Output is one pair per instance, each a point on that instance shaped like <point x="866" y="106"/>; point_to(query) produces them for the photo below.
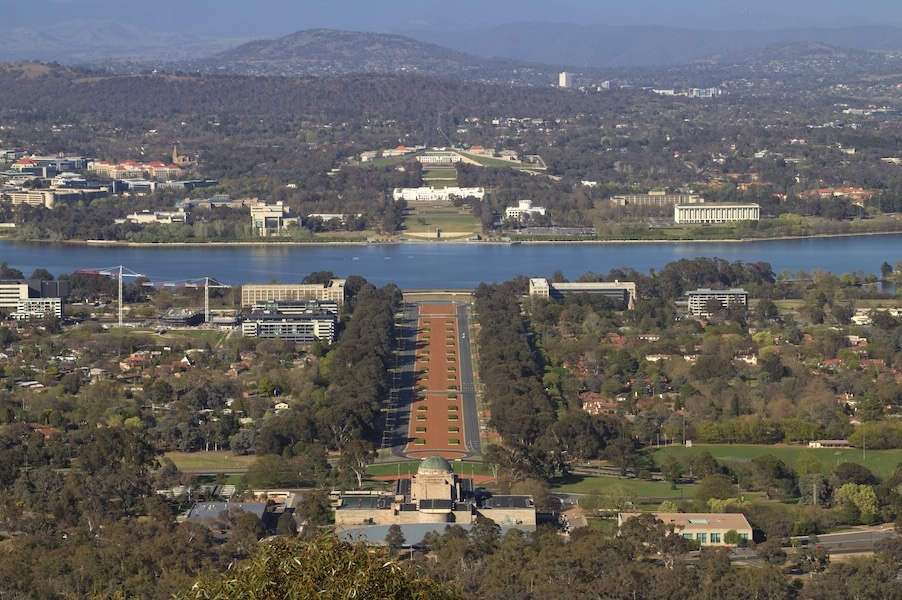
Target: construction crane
<point x="119" y="273"/>
<point x="208" y="284"/>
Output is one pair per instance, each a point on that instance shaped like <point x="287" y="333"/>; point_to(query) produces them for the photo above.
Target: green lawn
<point x="585" y="484"/>
<point x="446" y="219"/>
<point x="881" y="462"/>
<point x="210" y="462"/>
<point x="211" y="336"/>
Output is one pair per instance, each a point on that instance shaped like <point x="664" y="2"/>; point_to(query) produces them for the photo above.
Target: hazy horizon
<point x="275" y="18"/>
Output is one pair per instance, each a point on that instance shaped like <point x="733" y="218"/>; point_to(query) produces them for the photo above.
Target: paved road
<point x="467" y="384"/>
<point x="403" y="389"/>
<point x="855" y="540"/>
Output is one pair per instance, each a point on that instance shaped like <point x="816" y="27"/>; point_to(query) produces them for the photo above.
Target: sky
<point x="274" y="18"/>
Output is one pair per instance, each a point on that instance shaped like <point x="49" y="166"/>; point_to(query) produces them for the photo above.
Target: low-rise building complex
<point x="708" y="529"/>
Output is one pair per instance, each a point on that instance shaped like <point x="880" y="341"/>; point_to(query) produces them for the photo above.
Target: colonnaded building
<point x="700" y="214"/>
<point x="428" y="501"/>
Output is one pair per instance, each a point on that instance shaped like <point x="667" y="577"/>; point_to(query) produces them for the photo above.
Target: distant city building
<point x="708" y="529"/>
<point x="304" y="328"/>
<point x="656" y="198"/>
<point x="326" y="217"/>
<point x="132" y="169"/>
<point x="159" y="216"/>
<point x="703" y="92"/>
<point x="271" y="219"/>
<point x="698" y="300"/>
<point x="431" y="194"/>
<point x="439" y="157"/>
<point x="565" y="80"/>
<point x="33" y="299"/>
<point x="294" y="307"/>
<point x="621" y="290"/>
<point x="14" y="290"/>
<point x="42" y="198"/>
<point x="37" y="308"/>
<point x="523" y="208"/>
<point x="333" y="291"/>
<point x="218" y="201"/>
<point x="715" y="213"/>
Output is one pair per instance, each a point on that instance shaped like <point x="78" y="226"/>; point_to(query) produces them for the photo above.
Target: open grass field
<point x="428" y="219"/>
<point x="586" y="484"/>
<point x="440" y="178"/>
<point x="221" y="461"/>
<point x="881" y="462"/>
<point x="211" y="336"/>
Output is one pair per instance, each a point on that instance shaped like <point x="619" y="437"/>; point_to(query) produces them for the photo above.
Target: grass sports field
<point x="221" y="461"/>
<point x="587" y="484"/>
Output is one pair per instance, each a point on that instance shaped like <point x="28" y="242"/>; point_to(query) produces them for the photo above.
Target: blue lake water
<point x="444" y="265"/>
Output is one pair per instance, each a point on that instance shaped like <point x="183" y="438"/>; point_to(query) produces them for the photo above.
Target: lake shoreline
<point x="436" y="242"/>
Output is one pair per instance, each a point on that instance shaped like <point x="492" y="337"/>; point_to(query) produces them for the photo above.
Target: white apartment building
<point x="698" y="299"/>
<point x="38" y="308"/>
<point x="305" y="328"/>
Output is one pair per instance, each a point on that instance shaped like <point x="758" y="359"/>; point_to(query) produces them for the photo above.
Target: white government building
<point x="715" y="213"/>
<point x="431" y="194"/>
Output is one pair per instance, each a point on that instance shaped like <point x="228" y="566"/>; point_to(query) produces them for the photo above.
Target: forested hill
<point x="75" y="94"/>
<point x="333" y="52"/>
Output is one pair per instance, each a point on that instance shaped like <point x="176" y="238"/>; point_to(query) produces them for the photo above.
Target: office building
<point x="620" y="290"/>
<point x="14" y="290"/>
<point x="304" y="328"/>
<point x="698" y="300"/>
<point x="333" y="291"/>
<point x="565" y="80"/>
<point x="655" y="198"/>
<point x="698" y="214"/>
<point x="37" y="308"/>
<point x="271" y="219"/>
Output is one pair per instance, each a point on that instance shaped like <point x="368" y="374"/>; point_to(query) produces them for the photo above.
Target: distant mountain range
<point x="502" y="52"/>
<point x="603" y="46"/>
<point x="332" y="52"/>
<point x="78" y="42"/>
